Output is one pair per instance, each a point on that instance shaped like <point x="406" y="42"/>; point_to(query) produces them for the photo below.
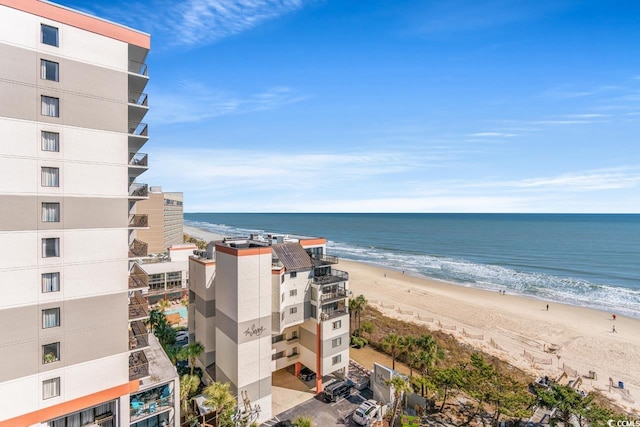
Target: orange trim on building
<point x="72" y="406"/>
<point x="277" y="272"/>
<point x="243" y="251"/>
<point x="186" y="248"/>
<point x="313" y="242"/>
<point x="80" y="20"/>
<point x="319" y="358"/>
<point x="203" y="262"/>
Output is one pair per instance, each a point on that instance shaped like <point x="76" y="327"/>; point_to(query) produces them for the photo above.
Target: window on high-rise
<point x="50" y="353"/>
<point x="50" y="141"/>
<point x="51" y="212"/>
<point x="51" y="388"/>
<point x="50" y="247"/>
<point x="50" y="177"/>
<point x="51" y="318"/>
<point x="49" y="35"/>
<point x="50" y="106"/>
<point x="49" y="70"/>
<point x="50" y="282"/>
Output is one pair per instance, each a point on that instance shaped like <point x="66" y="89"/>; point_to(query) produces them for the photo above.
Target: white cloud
<point x="193" y="103"/>
<point x="492" y="134"/>
<point x="198" y="22"/>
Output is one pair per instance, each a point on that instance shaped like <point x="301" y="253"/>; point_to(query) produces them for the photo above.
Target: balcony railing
<point x="138" y="129"/>
<point x="139" y="159"/>
<point x="138" y="365"/>
<point x="138" y="98"/>
<point x="149" y="407"/>
<point x="138" y="68"/>
<point x="138" y="278"/>
<point x="138" y="190"/>
<point x="330" y="314"/>
<point x="138" y="335"/>
<point x="332" y="296"/>
<point x="319" y="260"/>
<point x="138" y="307"/>
<point x="334" y="276"/>
<point x="139" y="220"/>
<point x="138" y="249"/>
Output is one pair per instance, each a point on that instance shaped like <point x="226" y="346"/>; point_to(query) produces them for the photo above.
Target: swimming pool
<point x="180" y="310"/>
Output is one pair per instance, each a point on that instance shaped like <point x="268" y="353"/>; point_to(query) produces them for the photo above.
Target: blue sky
<point x="391" y="106"/>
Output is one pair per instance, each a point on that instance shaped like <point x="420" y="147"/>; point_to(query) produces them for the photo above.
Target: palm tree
<point x="430" y="352"/>
<point x="191" y="352"/>
<point x="163" y="304"/>
<point x="393" y="344"/>
<point x="362" y="303"/>
<point x="156" y="317"/>
<point x="400" y="386"/>
<point x="219" y="399"/>
<point x="408" y="346"/>
<point x="188" y="385"/>
<point x="353" y="304"/>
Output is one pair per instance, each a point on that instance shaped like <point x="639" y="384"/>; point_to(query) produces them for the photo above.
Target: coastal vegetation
<point x="201" y="244"/>
<point x="487" y="389"/>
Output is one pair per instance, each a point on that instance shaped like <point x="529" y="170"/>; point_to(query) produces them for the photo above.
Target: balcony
<point x="138" y="129"/>
<point x="327" y="297"/>
<point x="138" y="307"/>
<point x="320" y="260"/>
<point x="138" y="335"/>
<point x="139" y="159"/>
<point x="138" y="191"/>
<point x="139" y="68"/>
<point x="331" y="314"/>
<point x="140" y="409"/>
<point x="333" y="276"/>
<point x="138" y="365"/>
<point x="138" y="278"/>
<point x="138" y="221"/>
<point x="138" y="249"/>
<point x="138" y="98"/>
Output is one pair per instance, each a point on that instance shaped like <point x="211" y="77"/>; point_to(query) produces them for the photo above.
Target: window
<point x="336" y="342"/>
<point x="50" y="247"/>
<point x="278" y="355"/>
<point x="49" y="35"/>
<point x="336" y="359"/>
<point x="293" y="310"/>
<point x="51" y="318"/>
<point x="282" y="279"/>
<point x="337" y="324"/>
<point x="51" y="282"/>
<point x="51" y="212"/>
<point x="293" y="292"/>
<point x="49" y="70"/>
<point x="50" y="353"/>
<point x="282" y="317"/>
<point x="293" y="274"/>
<point x="51" y="388"/>
<point x="294" y="351"/>
<point x="282" y="299"/>
<point x="50" y="106"/>
<point x="50" y="177"/>
<point x="50" y="141"/>
<point x="294" y="335"/>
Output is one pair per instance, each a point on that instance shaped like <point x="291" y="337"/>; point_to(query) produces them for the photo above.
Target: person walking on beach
<point x="613" y="330"/>
<point x="547" y="307"/>
<point x="613" y="316"/>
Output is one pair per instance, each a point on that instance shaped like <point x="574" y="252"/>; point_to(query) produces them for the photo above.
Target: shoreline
<point x="515" y="328"/>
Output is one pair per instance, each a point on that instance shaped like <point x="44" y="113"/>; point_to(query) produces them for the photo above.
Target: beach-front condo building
<point x="74" y="349"/>
<point x="165" y="219"/>
<point x="263" y="304"/>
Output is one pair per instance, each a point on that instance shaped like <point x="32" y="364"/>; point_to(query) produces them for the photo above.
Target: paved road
<point x="323" y="413"/>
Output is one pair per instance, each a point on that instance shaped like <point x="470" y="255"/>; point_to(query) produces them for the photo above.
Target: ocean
<point x="578" y="259"/>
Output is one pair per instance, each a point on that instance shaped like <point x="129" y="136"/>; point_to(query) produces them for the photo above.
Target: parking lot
<point x="324" y="413"/>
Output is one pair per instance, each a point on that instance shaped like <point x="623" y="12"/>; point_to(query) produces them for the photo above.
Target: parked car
<point x="285" y="423"/>
<point x="336" y="390"/>
<point x="366" y="412"/>
<point x="182" y="335"/>
<point x="306" y="374"/>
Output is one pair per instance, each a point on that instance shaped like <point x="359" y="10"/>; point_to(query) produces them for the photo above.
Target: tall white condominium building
<point x="73" y="346"/>
<point x="262" y="304"/>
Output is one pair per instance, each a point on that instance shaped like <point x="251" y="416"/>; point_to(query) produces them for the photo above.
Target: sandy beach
<point x="517" y="329"/>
